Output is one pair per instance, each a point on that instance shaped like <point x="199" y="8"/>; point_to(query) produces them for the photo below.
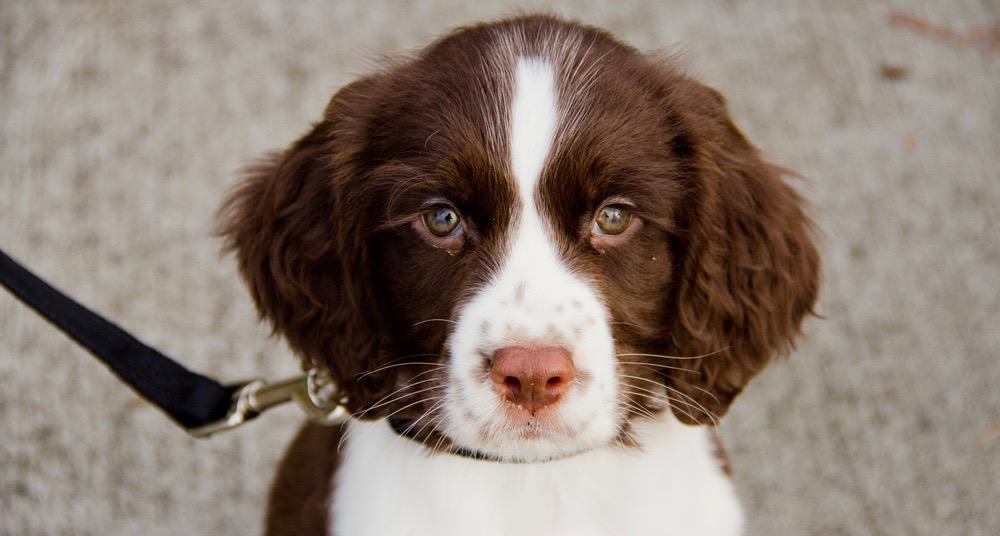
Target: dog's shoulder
<point x="299" y="501"/>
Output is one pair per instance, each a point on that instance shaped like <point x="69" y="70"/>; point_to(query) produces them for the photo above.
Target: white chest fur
<point x="387" y="485"/>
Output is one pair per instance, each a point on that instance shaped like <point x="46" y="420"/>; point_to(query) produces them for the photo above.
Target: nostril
<point x="512" y="383"/>
<point x="554" y="381"/>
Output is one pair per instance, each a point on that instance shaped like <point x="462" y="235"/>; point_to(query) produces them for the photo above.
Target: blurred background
<point x="122" y="124"/>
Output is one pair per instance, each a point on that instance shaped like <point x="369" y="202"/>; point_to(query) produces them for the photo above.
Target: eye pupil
<point x="613" y="220"/>
<point x="441" y="221"/>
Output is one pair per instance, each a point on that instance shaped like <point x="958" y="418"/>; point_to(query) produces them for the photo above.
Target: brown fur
<point x="301" y="492"/>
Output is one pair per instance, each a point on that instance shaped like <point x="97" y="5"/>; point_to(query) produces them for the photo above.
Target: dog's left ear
<point x="296" y="224"/>
<point x="748" y="269"/>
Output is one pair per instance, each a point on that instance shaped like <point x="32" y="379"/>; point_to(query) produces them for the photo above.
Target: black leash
<point x="201" y="405"/>
<point x="190" y="399"/>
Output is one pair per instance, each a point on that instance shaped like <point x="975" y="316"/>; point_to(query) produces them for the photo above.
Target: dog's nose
<point x="532" y="377"/>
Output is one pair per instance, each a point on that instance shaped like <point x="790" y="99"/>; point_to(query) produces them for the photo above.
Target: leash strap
<point x="190" y="399"/>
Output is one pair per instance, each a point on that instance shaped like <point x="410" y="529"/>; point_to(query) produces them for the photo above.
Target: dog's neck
<point x="671" y="484"/>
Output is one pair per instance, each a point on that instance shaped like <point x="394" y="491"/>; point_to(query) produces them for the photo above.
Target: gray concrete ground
<point x="122" y="124"/>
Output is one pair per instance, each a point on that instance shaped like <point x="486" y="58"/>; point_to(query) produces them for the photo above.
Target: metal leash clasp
<point x="312" y="392"/>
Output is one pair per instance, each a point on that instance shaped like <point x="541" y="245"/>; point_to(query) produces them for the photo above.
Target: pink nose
<point x="532" y="377"/>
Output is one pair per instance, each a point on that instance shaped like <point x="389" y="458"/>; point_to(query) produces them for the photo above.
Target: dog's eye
<point x="442" y="222"/>
<point x="612" y="220"/>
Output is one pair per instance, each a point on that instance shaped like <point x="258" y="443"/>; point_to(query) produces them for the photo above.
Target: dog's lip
<point x="565" y="443"/>
<point x="533" y="429"/>
<point x="547" y="416"/>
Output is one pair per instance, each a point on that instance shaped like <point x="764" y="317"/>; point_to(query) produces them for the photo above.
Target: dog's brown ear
<point x="300" y="260"/>
<point x="749" y="273"/>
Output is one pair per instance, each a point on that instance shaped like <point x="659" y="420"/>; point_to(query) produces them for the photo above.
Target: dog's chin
<point x="531" y="440"/>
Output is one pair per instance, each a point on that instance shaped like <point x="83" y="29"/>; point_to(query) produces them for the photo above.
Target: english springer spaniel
<point x="539" y="265"/>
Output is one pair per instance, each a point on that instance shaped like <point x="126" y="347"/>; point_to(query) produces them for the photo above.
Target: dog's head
<point x="525" y="238"/>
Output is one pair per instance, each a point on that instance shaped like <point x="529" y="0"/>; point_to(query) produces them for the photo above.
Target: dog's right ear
<point x="751" y="272"/>
<point x="301" y="261"/>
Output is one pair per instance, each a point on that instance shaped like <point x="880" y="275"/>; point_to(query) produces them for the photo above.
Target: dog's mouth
<point x="513" y="434"/>
<point x="533" y="430"/>
<point x="530" y="429"/>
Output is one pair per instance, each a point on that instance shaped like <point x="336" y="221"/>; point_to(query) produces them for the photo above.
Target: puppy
<point x="539" y="265"/>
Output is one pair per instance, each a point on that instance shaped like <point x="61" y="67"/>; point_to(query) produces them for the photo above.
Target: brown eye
<point x="443" y="222"/>
<point x="612" y="221"/>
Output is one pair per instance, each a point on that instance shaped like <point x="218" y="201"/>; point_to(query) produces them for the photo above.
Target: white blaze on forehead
<point x="533" y="123"/>
<point x="533" y="261"/>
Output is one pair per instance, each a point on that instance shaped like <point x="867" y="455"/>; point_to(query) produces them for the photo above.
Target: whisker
<point x="435" y="320"/>
<point x="432" y="421"/>
<point x="688" y="415"/>
<point x="343" y="438"/>
<point x="648" y="392"/>
<point x="424" y="373"/>
<point x="422" y="416"/>
<point x="658" y="365"/>
<point x="706" y="391"/>
<point x="441" y="437"/>
<point x="413" y="404"/>
<point x="669" y="399"/>
<point x="398" y="398"/>
<point x="631" y="404"/>
<point x="715" y="420"/>
<point x="689" y="400"/>
<point x="697" y="404"/>
<point x="625" y="432"/>
<point x="386" y="367"/>
<point x="654" y="382"/>
<point x="674" y="356"/>
<point x="401" y="389"/>
<point x="440" y="419"/>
